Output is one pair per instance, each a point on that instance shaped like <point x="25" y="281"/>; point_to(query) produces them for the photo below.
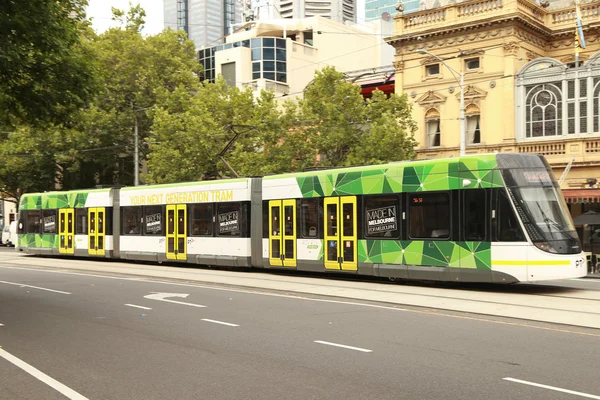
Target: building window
<point x="543" y="111"/>
<point x="182" y="16"/>
<point x="596" y="104"/>
<point x="473" y="128"/>
<point x="472" y="64"/>
<point x="560" y="107"/>
<point x="432" y="124"/>
<point x="432" y="69"/>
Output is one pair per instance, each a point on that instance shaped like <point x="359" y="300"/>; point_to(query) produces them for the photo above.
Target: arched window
<point x="432" y="126"/>
<point x="473" y="121"/>
<point x="543" y="112"/>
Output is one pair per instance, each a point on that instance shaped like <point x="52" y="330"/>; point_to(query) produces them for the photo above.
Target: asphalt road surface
<point x="78" y="336"/>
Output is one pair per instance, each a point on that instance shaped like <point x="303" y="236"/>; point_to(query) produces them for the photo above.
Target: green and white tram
<point x="483" y="218"/>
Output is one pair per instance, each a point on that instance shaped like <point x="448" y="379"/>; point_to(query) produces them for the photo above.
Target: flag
<point x="580" y="40"/>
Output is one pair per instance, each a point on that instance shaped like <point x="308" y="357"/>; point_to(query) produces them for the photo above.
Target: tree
<point x="190" y="132"/>
<point x="345" y="130"/>
<point x="45" y="68"/>
<point x="94" y="144"/>
<point x="137" y="73"/>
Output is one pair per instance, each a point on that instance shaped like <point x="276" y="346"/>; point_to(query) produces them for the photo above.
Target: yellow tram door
<point x="66" y="222"/>
<point x="282" y="233"/>
<point x="176" y="231"/>
<point x="96" y="231"/>
<point x="340" y="233"/>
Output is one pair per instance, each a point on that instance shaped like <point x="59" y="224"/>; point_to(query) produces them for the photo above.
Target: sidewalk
<point x="571" y="307"/>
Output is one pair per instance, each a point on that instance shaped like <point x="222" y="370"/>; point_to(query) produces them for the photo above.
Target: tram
<point x="498" y="218"/>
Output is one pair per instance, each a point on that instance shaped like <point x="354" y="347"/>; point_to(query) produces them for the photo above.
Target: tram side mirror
<point x="466" y="182"/>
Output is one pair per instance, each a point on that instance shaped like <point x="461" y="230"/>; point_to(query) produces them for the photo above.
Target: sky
<point x="100" y="12"/>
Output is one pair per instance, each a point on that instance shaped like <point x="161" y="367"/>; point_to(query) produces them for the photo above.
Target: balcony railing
<point x="474" y="10"/>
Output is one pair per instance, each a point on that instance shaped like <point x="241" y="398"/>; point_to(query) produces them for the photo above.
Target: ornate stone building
<point x="523" y="91"/>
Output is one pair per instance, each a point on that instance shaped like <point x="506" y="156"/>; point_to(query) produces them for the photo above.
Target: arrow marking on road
<point x="162" y="297"/>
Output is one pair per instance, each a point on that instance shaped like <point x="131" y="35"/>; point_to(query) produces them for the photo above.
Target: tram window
<point x="81" y="221"/>
<point x="429" y="215"/>
<point x="132" y="220"/>
<point x="202" y="220"/>
<point x="33" y="221"/>
<point x="474" y="220"/>
<point x="265" y="216"/>
<point x="153" y="220"/>
<point x="49" y="221"/>
<point x="228" y="219"/>
<point x="508" y="228"/>
<point x="310" y="218"/>
<point x="109" y="221"/>
<point x="381" y="216"/>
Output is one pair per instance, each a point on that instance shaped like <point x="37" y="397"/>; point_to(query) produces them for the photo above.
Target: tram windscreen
<point x="539" y="203"/>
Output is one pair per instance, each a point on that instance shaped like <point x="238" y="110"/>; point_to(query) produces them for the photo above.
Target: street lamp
<point x="461" y="84"/>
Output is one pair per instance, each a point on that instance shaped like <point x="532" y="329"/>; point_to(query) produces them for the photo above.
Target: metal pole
<point x="463" y="131"/>
<point x="136" y="154"/>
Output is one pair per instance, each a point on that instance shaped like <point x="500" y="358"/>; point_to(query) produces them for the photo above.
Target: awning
<point x="573" y="196"/>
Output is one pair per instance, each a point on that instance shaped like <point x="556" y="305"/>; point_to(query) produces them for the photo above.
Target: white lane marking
<point x="218" y="322"/>
<point x="589" y="396"/>
<point x="142" y="307"/>
<point x="344" y="346"/>
<point x="54" y="384"/>
<point x="1" y="324"/>
<point x="200" y="285"/>
<point x="163" y="296"/>
<point x="352" y="303"/>
<point x="34" y="287"/>
<point x="595" y="280"/>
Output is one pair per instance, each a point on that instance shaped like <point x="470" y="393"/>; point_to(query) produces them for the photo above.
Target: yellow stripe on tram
<point x="534" y="262"/>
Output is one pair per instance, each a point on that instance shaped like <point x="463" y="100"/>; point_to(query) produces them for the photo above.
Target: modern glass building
<point x="268" y="57"/>
<point x="206" y="22"/>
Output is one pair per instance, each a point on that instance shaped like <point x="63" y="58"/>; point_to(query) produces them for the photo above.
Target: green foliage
<point x="345" y="130"/>
<point x="45" y="68"/>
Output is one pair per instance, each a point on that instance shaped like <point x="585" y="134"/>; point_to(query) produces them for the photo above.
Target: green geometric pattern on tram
<point x="426" y="253"/>
<point x="415" y="177"/>
<point x="475" y="255"/>
<point x="29" y="202"/>
<point x="54" y="200"/>
<point x="44" y="241"/>
<point x="310" y="187"/>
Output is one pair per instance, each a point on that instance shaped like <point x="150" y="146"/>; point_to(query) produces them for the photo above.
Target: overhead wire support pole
<point x="232" y="127"/>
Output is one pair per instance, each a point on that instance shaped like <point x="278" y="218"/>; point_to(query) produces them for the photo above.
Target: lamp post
<point x="461" y="84"/>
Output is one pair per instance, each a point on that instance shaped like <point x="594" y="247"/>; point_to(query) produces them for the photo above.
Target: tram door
<point x="96" y="231"/>
<point x="176" y="231"/>
<point x="282" y="233"/>
<point x="66" y="222"/>
<point x="340" y="233"/>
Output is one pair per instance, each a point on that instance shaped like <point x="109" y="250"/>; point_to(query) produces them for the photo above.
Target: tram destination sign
<point x="382" y="220"/>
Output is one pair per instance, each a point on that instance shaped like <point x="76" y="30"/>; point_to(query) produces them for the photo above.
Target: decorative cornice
<point x="398" y="65"/>
<point x="511" y="48"/>
<point x="430" y="99"/>
<point x="429" y="60"/>
<point x="472" y="93"/>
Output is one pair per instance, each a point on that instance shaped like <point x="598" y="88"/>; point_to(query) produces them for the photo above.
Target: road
<point x="112" y="337"/>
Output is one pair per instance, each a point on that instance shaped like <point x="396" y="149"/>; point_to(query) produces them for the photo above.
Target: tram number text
<point x="417" y="199"/>
<point x="579" y="263"/>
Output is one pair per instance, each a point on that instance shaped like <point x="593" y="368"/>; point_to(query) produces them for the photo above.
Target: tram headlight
<point x="545" y="246"/>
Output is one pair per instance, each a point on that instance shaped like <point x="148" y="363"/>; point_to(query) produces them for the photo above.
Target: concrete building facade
<point x="283" y="55"/>
<point x="524" y="91"/>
